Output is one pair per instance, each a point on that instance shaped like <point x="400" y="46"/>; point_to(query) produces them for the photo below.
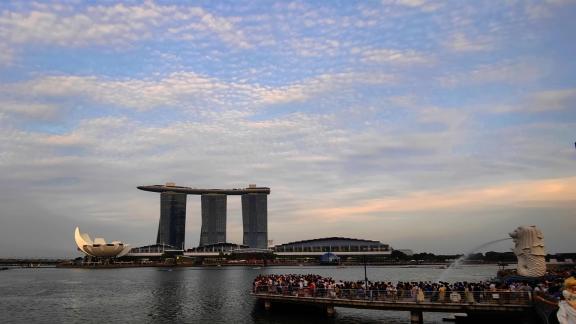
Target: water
<point x="447" y="274"/>
<point x="185" y="295"/>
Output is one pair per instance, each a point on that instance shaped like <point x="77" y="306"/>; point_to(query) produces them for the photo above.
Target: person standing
<point x="441" y="293"/>
<point x="468" y="295"/>
<point x="420" y="295"/>
<point x="567" y="308"/>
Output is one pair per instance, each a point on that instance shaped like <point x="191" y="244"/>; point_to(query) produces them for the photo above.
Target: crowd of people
<point x="457" y="292"/>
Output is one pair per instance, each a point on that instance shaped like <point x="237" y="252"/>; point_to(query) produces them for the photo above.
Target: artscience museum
<point x="98" y="247"/>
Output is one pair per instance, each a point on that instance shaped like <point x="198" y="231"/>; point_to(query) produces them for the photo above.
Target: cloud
<point x="6" y="55"/>
<point x="540" y="192"/>
<point x="447" y="116"/>
<point x="187" y="89"/>
<point x="508" y="72"/>
<point x="322" y="84"/>
<point x="311" y="47"/>
<point x="224" y="28"/>
<point x="320" y="174"/>
<point x="426" y="113"/>
<point x="392" y="56"/>
<point x="173" y="90"/>
<point x="545" y="9"/>
<point x="106" y="139"/>
<point x="29" y="110"/>
<point x="540" y="102"/>
<point x="319" y="102"/>
<point x="100" y="25"/>
<point x="118" y="25"/>
<point x="424" y="5"/>
<point x="553" y="100"/>
<point x="461" y="43"/>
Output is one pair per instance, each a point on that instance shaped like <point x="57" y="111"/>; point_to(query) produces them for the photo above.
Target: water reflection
<point x="212" y="293"/>
<point x="169" y="292"/>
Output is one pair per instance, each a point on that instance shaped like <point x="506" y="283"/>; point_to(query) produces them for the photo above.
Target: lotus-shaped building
<point x="99" y="247"/>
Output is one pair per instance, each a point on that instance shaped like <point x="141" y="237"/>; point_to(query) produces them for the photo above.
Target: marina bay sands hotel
<point x="171" y="229"/>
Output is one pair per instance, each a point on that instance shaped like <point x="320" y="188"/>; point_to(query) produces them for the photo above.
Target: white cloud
<point x="553" y="100"/>
<point x="224" y="28"/>
<point x="424" y="5"/>
<point x="310" y="163"/>
<point x="536" y="11"/>
<point x="446" y="116"/>
<point x="74" y="30"/>
<point x="545" y="9"/>
<point x="189" y="90"/>
<point x="511" y="72"/>
<point x="227" y="31"/>
<point x="29" y="110"/>
<point x="560" y="2"/>
<point x="117" y="25"/>
<point x="316" y="47"/>
<point x="6" y="55"/>
<point x="541" y="101"/>
<point x="173" y="90"/>
<point x="392" y="56"/>
<point x="333" y="142"/>
<point x="425" y="113"/>
<point x="461" y="43"/>
<point x="322" y="84"/>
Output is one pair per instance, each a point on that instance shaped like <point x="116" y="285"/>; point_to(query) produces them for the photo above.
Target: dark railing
<point x="395" y="296"/>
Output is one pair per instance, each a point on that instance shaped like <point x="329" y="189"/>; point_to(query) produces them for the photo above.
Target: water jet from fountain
<point x="461" y="259"/>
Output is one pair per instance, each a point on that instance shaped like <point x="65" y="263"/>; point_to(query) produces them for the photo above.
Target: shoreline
<point x="259" y="265"/>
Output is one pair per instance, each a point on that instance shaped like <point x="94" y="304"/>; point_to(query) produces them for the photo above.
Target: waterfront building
<point x="255" y="220"/>
<point x="172" y="225"/>
<point x="171" y="229"/>
<point x="213" y="229"/>
<point x="218" y="247"/>
<point x="322" y="249"/>
<point x="347" y="249"/>
<point x="98" y="247"/>
<point x="154" y="249"/>
<point x="338" y="245"/>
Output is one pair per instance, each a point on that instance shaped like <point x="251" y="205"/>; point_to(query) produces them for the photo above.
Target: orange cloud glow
<point x="509" y="194"/>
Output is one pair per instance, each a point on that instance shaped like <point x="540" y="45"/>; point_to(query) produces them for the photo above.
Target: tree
<point x="500" y="256"/>
<point x="398" y="255"/>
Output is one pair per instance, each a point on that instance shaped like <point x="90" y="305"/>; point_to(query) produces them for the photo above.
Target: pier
<point x="498" y="303"/>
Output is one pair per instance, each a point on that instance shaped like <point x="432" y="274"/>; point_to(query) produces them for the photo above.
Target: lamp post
<point x="365" y="273"/>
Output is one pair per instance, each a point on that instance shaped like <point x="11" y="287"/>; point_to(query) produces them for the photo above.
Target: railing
<point x="397" y="296"/>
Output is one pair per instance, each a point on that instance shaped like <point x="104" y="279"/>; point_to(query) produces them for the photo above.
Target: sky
<point x="427" y="125"/>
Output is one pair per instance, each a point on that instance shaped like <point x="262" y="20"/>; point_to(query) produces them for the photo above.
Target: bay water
<point x="189" y="295"/>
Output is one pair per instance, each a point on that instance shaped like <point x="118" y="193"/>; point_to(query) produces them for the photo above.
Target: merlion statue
<point x="529" y="250"/>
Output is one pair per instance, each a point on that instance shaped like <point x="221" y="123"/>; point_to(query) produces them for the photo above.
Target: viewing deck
<point x="497" y="302"/>
<point x="198" y="191"/>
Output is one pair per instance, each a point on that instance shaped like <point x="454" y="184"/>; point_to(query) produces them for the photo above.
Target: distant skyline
<point x="428" y="125"/>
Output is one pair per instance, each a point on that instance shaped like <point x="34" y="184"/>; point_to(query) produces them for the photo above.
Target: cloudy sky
<point x="430" y="125"/>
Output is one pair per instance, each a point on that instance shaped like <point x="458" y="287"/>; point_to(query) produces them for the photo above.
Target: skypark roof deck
<point x="197" y="191"/>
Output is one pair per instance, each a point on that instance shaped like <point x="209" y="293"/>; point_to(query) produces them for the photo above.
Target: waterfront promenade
<point x="475" y="299"/>
<point x="504" y="303"/>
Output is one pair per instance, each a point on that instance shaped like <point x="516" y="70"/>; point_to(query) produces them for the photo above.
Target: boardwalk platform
<point x="503" y="303"/>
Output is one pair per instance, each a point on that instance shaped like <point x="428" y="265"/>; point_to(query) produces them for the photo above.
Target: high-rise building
<point x="213" y="219"/>
<point x="172" y="227"/>
<point x="255" y="220"/>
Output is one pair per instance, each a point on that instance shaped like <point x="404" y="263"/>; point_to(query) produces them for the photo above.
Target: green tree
<point x="398" y="255"/>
